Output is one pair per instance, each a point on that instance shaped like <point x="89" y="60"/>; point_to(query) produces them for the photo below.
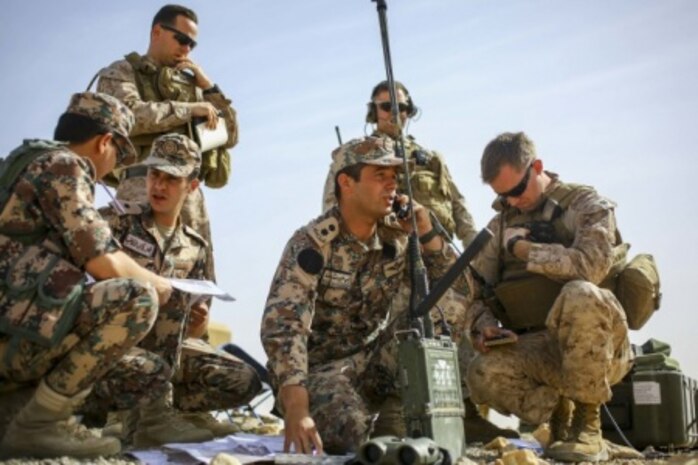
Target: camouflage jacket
<point x="332" y="295"/>
<point x="119" y="80"/>
<point x="590" y="219"/>
<point x="56" y="194"/>
<point x="432" y="186"/>
<point x="180" y="256"/>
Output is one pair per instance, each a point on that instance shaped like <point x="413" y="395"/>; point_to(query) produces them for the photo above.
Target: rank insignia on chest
<point x="139" y="245"/>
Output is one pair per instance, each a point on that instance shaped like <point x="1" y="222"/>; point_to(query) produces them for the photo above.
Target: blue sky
<point x="607" y="90"/>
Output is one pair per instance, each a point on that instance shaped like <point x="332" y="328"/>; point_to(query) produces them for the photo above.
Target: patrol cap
<point x="174" y="154"/>
<point x="112" y="113"/>
<point x="372" y="150"/>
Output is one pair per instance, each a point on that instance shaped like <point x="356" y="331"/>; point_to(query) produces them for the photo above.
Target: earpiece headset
<point x="372" y="112"/>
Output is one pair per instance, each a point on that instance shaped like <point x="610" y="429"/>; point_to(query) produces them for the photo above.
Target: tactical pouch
<point x="527" y="301"/>
<point x="637" y="290"/>
<point x="40" y="293"/>
<point x="215" y="167"/>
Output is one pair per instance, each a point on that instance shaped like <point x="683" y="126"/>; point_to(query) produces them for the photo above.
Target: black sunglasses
<point x="181" y="38"/>
<point x="520" y="188"/>
<point x="387" y="106"/>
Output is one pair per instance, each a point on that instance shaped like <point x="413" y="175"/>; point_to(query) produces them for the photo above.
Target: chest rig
<point x="158" y="84"/>
<point x="523" y="299"/>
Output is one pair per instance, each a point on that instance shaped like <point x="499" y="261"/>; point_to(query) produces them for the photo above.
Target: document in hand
<point x="201" y="288"/>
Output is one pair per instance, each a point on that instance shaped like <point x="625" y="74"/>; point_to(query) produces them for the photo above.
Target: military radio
<point x="429" y="374"/>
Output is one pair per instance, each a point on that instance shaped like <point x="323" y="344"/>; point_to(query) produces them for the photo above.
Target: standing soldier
<point x="433" y="187"/>
<point x="153" y="234"/>
<point x="166" y="91"/>
<point x="432" y="184"/>
<point x="56" y="330"/>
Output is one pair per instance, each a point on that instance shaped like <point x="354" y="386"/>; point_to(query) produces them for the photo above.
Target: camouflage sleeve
<point x="67" y="202"/>
<point x="590" y="256"/>
<point x="119" y="80"/>
<point x="486" y="264"/>
<point x="288" y="315"/>
<point x="465" y="225"/>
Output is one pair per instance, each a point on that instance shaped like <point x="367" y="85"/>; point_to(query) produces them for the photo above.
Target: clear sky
<point x="607" y="90"/>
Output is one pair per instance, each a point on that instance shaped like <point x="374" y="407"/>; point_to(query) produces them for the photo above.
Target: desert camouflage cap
<point x="174" y="154"/>
<point x="369" y="150"/>
<point x="110" y="112"/>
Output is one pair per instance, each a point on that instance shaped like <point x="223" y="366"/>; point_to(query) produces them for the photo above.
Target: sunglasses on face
<point x="181" y="38"/>
<point x="520" y="188"/>
<point x="387" y="106"/>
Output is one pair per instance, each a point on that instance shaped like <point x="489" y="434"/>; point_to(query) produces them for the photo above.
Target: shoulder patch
<point x="310" y="261"/>
<point x="324" y="231"/>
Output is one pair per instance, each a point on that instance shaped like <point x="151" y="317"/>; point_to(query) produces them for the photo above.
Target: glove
<point x="512" y="235"/>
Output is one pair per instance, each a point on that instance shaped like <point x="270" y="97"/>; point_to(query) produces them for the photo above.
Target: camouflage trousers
<point x="209" y="379"/>
<point x="584" y="351"/>
<point x="346" y="396"/>
<point x="194" y="213"/>
<point x="98" y="352"/>
<point x="166" y="336"/>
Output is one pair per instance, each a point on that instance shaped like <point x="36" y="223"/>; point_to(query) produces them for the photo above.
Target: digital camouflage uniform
<point x="211" y="379"/>
<point x="180" y="256"/>
<point x="433" y="187"/>
<point x="581" y="348"/>
<point x="205" y="379"/>
<point x="330" y="319"/>
<point x="161" y="109"/>
<point x="51" y="213"/>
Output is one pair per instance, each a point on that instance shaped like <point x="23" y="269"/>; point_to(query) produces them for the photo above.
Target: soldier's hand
<point x="200" y="79"/>
<point x="490" y="333"/>
<point x="513" y="235"/>
<point x="299" y="427"/>
<point x="164" y="290"/>
<point x="206" y="110"/>
<point x="198" y="320"/>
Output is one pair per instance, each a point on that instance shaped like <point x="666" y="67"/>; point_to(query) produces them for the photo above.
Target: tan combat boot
<point x="478" y="429"/>
<point x="45" y="428"/>
<point x="158" y="423"/>
<point x="585" y="443"/>
<point x="561" y="420"/>
<point x="206" y="420"/>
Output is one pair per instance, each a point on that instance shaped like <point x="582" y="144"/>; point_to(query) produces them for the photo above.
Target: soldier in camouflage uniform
<point x="165" y="99"/>
<point x="433" y="187"/>
<point x="154" y="236"/>
<point x="55" y="330"/>
<point x="211" y="379"/>
<point x="544" y="275"/>
<point x="329" y="323"/>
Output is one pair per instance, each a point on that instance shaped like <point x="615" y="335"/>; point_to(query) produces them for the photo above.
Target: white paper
<point x="647" y="393"/>
<point x="211" y="138"/>
<point x="201" y="288"/>
<point x="247" y="448"/>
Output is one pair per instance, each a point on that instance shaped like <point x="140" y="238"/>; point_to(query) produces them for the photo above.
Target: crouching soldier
<point x="56" y="331"/>
<point x="155" y="236"/>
